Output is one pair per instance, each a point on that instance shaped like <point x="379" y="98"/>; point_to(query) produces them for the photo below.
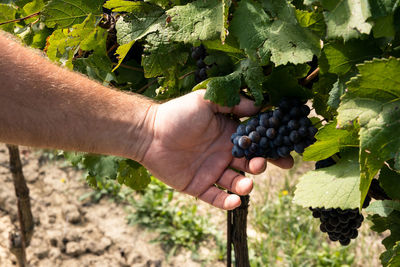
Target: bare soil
<point x="69" y="232"/>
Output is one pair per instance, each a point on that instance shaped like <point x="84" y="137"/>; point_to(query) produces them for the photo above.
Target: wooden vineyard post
<point x="237" y="234"/>
<point x="19" y="241"/>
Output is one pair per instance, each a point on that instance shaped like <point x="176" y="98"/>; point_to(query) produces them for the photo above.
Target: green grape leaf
<point x="390" y="182"/>
<point x="372" y="101"/>
<point x="130" y="6"/>
<point x="383" y="207"/>
<point x="281" y="38"/>
<point x="197" y="21"/>
<point x="340" y="58"/>
<point x="229" y="46"/>
<point x="254" y="77"/>
<point x="337" y="91"/>
<point x="312" y="20"/>
<point x="329" y="141"/>
<point x="73" y="157"/>
<point x="63" y="43"/>
<point x="391" y="223"/>
<point x="382" y="16"/>
<point x="96" y="67"/>
<point x="321" y="90"/>
<point x="224" y="90"/>
<point x="147" y="19"/>
<point x="160" y="56"/>
<point x="101" y="166"/>
<point x="346" y="18"/>
<point x="391" y="257"/>
<point x="133" y="175"/>
<point x="283" y="82"/>
<point x="7" y="12"/>
<point x="66" y="13"/>
<point x="33" y="7"/>
<point x="336" y="186"/>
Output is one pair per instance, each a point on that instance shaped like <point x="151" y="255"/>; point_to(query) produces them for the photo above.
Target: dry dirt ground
<point x="69" y="232"/>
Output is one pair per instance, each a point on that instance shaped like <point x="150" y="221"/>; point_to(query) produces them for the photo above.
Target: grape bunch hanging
<point x="340" y="225"/>
<point x="275" y="133"/>
<point x="199" y="54"/>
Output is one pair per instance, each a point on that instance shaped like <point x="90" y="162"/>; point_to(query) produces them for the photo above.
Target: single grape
<point x="254" y="136"/>
<point x="244" y="142"/>
<point x="271" y="133"/>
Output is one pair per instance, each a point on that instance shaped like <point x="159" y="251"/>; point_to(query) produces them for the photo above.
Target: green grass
<point x="178" y="224"/>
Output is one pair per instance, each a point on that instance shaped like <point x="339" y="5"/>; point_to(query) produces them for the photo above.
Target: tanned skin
<point x="184" y="142"/>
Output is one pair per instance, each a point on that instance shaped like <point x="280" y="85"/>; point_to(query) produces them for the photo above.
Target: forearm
<point x="44" y="105"/>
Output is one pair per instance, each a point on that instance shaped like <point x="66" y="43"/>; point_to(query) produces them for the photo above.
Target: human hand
<point x="191" y="150"/>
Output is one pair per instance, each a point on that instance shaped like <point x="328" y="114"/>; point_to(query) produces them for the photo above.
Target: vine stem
<point x="310" y="77"/>
<point x="21" y="19"/>
<point x="18" y="244"/>
<point x="128" y="67"/>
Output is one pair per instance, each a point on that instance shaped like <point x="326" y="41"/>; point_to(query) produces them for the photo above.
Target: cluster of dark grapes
<point x="340" y="225"/>
<point x="199" y="54"/>
<point x="274" y="134"/>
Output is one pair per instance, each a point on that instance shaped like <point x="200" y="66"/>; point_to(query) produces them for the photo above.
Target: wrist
<point x="141" y="132"/>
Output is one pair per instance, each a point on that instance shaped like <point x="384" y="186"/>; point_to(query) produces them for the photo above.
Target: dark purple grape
<point x="233" y="136"/>
<point x="284" y="105"/>
<point x="283" y="151"/>
<point x="305" y="110"/>
<point x="250" y="128"/>
<point x="283" y="130"/>
<point x="295" y="112"/>
<point x="237" y="152"/>
<point x="303" y="132"/>
<point x="277" y="114"/>
<point x="254" y="136"/>
<point x="241" y="130"/>
<point x="203" y="73"/>
<point x="293" y="125"/>
<point x="344" y="242"/>
<point x="261" y="130"/>
<point x="294" y="137"/>
<point x="299" y="148"/>
<point x="271" y="133"/>
<point x="244" y="142"/>
<point x="273" y="122"/>
<point x="264" y="120"/>
<point x="286" y="118"/>
<point x="264" y="142"/>
<point x="200" y="63"/>
<point x="305" y="121"/>
<point x="236" y="140"/>
<point x="286" y="141"/>
<point x="278" y="140"/>
<point x="253" y="148"/>
<point x="312" y="131"/>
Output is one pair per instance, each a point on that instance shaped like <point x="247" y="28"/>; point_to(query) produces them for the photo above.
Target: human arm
<point x="184" y="142"/>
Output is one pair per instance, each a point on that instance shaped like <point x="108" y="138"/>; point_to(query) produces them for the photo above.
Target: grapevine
<point x="342" y="58"/>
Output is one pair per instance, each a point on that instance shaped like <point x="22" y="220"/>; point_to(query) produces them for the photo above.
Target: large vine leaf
<point x="160" y="56"/>
<point x="133" y="175"/>
<point x="373" y="101"/>
<point x="197" y="21"/>
<point x="7" y="12"/>
<point x="346" y="19"/>
<point x="340" y="58"/>
<point x="332" y="187"/>
<point x="66" y="13"/>
<point x="254" y="77"/>
<point x="389" y="180"/>
<point x="144" y="19"/>
<point x="224" y="90"/>
<point x="63" y="43"/>
<point x="280" y="38"/>
<point x="329" y="141"/>
<point x="390" y="220"/>
<point x="383" y="17"/>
